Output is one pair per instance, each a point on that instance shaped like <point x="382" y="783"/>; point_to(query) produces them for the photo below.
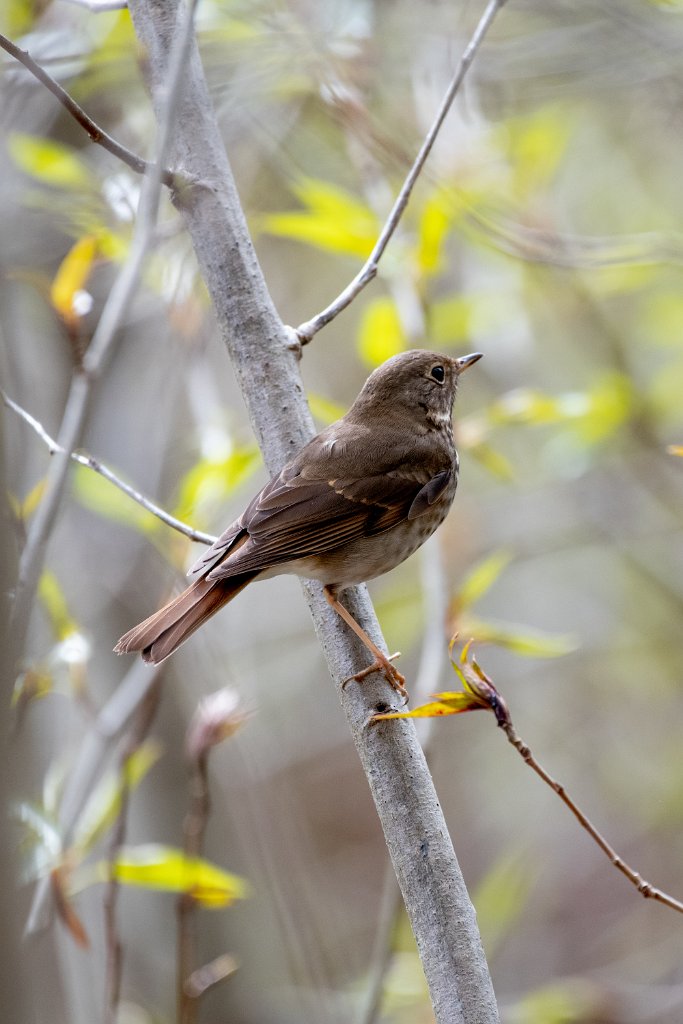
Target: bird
<point x="355" y="502"/>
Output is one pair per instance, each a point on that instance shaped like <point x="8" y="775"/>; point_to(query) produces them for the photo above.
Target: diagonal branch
<point x="306" y="331"/>
<point x="267" y="369"/>
<point x="83" y="459"/>
<point x="99" y="351"/>
<point x="97" y="134"/>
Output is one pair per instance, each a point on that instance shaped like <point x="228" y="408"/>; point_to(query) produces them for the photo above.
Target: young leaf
<point x="520" y="639"/>
<point x="211" y="482"/>
<point x="448" y="704"/>
<point x="380" y="334"/>
<point x="71" y="278"/>
<point x="324" y="410"/>
<point x="48" y="161"/>
<point x="106" y="500"/>
<point x="104" y="804"/>
<point x="499" y="898"/>
<point x="54" y="601"/>
<point x="154" y="866"/>
<point x="332" y="220"/>
<point x="481" y="578"/>
<point x="435" y="219"/>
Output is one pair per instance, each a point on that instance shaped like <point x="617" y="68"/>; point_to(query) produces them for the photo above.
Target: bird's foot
<point x="383" y="664"/>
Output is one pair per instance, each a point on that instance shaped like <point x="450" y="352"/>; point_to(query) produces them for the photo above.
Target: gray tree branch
<point x="260" y="348"/>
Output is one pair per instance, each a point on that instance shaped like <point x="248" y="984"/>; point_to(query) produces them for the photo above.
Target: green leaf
<point x="492" y="460"/>
<point x="435" y="220"/>
<point x="524" y="405"/>
<point x="380" y="334"/>
<point x="324" y="410"/>
<point x="72" y="276"/>
<point x="49" y="162"/>
<point x="520" y="639"/>
<point x="154" y="866"/>
<point x="104" y="803"/>
<point x="570" y="1002"/>
<point x="211" y="482"/>
<point x="450" y="319"/>
<point x="54" y="601"/>
<point x="106" y="500"/>
<point x="611" y="403"/>
<point x="537" y="144"/>
<point x="332" y="220"/>
<point x="500" y="898"/>
<point x="481" y="578"/>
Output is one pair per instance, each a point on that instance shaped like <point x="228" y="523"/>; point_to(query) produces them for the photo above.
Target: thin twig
<point x="644" y="888"/>
<point x="83" y="459"/>
<point x="484" y="694"/>
<point x="99" y="350"/>
<point x="114" y="947"/>
<point x="111" y="722"/>
<point x="98" y="6"/>
<point x="381" y="955"/>
<point x="97" y="134"/>
<point x="194" y="828"/>
<point x="306" y="331"/>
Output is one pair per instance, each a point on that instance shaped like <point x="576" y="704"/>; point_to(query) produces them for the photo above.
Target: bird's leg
<point x="382" y="663"/>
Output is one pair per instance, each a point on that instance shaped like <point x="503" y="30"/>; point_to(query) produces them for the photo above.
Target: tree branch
<point x="306" y="331"/>
<point x="83" y="459"/>
<point x="97" y="134"/>
<point x="98" y="352"/>
<point x="421" y="850"/>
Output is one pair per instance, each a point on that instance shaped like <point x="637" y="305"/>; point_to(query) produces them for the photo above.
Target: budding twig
<point x="306" y="331"/>
<point x="83" y="459"/>
<point x="97" y="134"/>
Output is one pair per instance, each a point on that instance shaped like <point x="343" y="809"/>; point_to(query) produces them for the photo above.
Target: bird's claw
<point x="392" y="675"/>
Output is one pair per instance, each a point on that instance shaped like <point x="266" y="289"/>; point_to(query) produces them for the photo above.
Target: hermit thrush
<point x="355" y="502"/>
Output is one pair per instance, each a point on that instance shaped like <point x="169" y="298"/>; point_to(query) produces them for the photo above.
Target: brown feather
<point x="162" y="633"/>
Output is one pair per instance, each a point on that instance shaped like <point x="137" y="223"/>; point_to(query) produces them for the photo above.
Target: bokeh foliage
<point x="547" y="232"/>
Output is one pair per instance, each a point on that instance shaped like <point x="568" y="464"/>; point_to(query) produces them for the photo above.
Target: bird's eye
<point x="438" y="373"/>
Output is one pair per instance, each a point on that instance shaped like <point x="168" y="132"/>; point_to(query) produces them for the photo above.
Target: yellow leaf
<point x="482" y="577"/>
<point x="104" y="803"/>
<point x="537" y="144"/>
<point x="380" y="334"/>
<point x="103" y="498"/>
<point x="435" y="220"/>
<point x="611" y="403"/>
<point x="450" y="320"/>
<point x="500" y="897"/>
<point x="324" y="410"/>
<point x="448" y="704"/>
<point x="154" y="866"/>
<point x="32" y="499"/>
<point x="52" y="597"/>
<point x="211" y="482"/>
<point x="31" y="685"/>
<point x="520" y="639"/>
<point x="494" y="461"/>
<point x="333" y="220"/>
<point x="48" y="161"/>
<point x="675" y="449"/>
<point x="71" y="277"/>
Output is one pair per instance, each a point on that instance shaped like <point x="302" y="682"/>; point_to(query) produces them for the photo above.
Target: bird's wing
<point x="294" y="516"/>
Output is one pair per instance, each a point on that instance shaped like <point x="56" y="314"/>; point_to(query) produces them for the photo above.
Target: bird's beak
<point x="465" y="362"/>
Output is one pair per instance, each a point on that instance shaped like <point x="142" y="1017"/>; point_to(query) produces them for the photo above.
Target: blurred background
<point x="546" y="231"/>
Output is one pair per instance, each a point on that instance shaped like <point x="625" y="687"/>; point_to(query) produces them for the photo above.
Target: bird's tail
<point x="162" y="633"/>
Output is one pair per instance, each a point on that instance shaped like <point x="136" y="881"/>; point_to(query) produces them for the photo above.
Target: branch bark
<point x="265" y="363"/>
